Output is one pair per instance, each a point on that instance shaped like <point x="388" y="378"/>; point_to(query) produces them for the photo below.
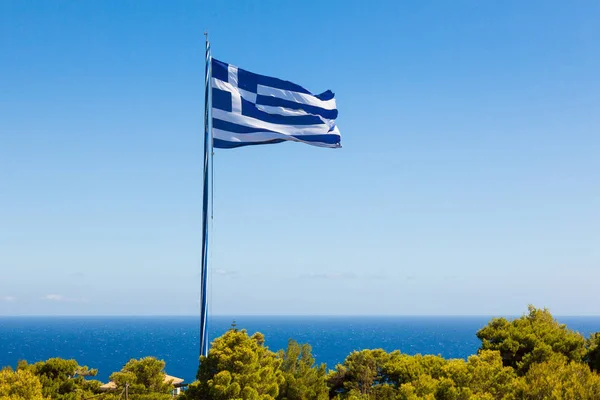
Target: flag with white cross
<point x="252" y="109"/>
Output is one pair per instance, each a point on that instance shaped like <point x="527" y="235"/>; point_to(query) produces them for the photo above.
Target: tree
<point x="487" y="376"/>
<point x="403" y="368"/>
<point x="145" y="377"/>
<point x="423" y="387"/>
<point x="593" y="352"/>
<point x="19" y="385"/>
<point x="377" y="375"/>
<point x="358" y="374"/>
<point x="302" y="379"/>
<point x="559" y="379"/>
<point x="238" y="366"/>
<point x="533" y="338"/>
<point x="62" y="379"/>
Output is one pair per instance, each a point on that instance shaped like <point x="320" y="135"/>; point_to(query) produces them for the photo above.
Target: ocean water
<point x="106" y="343"/>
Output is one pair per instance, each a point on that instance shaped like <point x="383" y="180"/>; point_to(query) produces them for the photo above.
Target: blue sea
<point x="106" y="343"/>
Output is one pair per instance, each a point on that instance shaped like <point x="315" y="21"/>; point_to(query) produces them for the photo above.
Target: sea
<point x="107" y="343"/>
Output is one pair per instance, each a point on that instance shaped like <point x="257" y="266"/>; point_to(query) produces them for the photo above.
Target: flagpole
<point x="204" y="266"/>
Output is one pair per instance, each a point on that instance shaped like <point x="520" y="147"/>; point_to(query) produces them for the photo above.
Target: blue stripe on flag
<point x="226" y="144"/>
<point x="249" y="81"/>
<point x="236" y="128"/>
<point x="330" y="139"/>
<point x="249" y="109"/>
<point x="328" y="95"/>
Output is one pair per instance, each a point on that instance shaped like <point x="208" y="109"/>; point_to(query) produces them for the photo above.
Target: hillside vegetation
<point x="531" y="357"/>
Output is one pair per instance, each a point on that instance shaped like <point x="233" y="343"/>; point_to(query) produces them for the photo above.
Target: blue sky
<point x="469" y="180"/>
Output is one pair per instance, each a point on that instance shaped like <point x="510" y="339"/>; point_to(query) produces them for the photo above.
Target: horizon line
<point x="283" y="315"/>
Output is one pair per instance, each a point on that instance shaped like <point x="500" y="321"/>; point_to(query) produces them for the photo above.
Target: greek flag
<point x="250" y="109"/>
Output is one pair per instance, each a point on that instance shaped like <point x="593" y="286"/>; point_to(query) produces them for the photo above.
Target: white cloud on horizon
<point x="329" y="275"/>
<point x="340" y="276"/>
<point x="61" y="298"/>
<point x="9" y="299"/>
<point x="53" y="297"/>
<point x="224" y="272"/>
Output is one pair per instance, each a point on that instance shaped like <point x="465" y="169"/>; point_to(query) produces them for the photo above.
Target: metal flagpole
<point x="207" y="149"/>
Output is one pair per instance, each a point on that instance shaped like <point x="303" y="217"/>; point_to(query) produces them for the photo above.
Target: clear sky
<point x="468" y="181"/>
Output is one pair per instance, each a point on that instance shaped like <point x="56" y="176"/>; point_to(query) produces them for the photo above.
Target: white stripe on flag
<point x="240" y="119"/>
<point x="296" y="97"/>
<point x="288" y="112"/>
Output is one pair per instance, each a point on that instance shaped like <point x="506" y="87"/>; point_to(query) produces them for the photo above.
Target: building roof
<point x="173" y="380"/>
<point x="109" y="386"/>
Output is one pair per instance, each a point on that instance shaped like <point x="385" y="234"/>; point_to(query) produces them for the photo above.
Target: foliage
<point x="375" y="374"/>
<point x="533" y="338"/>
<point x="360" y="374"/>
<point x="486" y="375"/>
<point x="238" y="366"/>
<point x="559" y="379"/>
<point x="302" y="380"/>
<point x="19" y="385"/>
<point x="62" y="379"/>
<point x="532" y="357"/>
<point x="146" y="379"/>
<point x="593" y="352"/>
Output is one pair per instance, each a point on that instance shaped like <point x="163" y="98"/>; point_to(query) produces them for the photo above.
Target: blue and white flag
<point x="250" y="109"/>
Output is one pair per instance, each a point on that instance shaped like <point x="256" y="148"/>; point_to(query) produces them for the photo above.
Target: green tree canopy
<point x="360" y="374"/>
<point x="532" y="338"/>
<point x="238" y="366"/>
<point x="486" y="375"/>
<point x="559" y="379"/>
<point x="145" y="377"/>
<point x="377" y="375"/>
<point x="593" y="352"/>
<point x="19" y="385"/>
<point x="62" y="379"/>
<point x="302" y="379"/>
